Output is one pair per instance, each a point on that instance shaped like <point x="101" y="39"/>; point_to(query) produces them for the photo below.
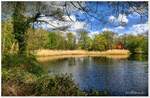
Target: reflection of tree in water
<point x="103" y="60"/>
<point x="57" y="61"/>
<point x="138" y="57"/>
<point x="84" y="61"/>
<point x="71" y="61"/>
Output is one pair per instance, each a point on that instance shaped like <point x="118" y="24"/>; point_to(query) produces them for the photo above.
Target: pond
<point x="119" y="77"/>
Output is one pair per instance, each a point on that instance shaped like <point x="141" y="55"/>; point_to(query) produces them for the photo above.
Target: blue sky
<point x="106" y="19"/>
<point x="132" y="20"/>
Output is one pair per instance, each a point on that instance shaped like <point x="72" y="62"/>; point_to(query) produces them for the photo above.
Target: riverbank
<point x="43" y="53"/>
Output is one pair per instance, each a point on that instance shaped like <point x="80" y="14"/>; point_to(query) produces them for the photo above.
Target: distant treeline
<point x="42" y="39"/>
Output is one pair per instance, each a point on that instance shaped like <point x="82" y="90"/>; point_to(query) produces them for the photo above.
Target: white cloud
<point x="107" y="29"/>
<point x="69" y="18"/>
<point x="53" y="23"/>
<point x="91" y="34"/>
<point x="138" y="29"/>
<point x="119" y="28"/>
<point x="78" y="25"/>
<point x="122" y="18"/>
<point x="112" y="19"/>
<point x="73" y="25"/>
<point x="133" y="15"/>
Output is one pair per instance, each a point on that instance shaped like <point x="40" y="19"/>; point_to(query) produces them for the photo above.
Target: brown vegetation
<point x="43" y="55"/>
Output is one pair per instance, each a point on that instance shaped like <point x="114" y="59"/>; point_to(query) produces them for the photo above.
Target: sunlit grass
<point x="80" y="52"/>
<point x="44" y="55"/>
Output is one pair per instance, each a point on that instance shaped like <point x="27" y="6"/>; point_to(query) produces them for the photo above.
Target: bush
<point x="56" y="85"/>
<point x="16" y="81"/>
<point x="28" y="63"/>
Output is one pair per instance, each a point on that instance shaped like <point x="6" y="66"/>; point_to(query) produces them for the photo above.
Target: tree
<point x="136" y="43"/>
<point x="71" y="41"/>
<point x="109" y="36"/>
<point x="26" y="14"/>
<point x="36" y="39"/>
<point x="56" y="40"/>
<point x="84" y="40"/>
<point x="22" y="21"/>
<point x="100" y="43"/>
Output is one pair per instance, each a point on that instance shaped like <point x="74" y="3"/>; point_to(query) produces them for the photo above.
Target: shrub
<point x="56" y="85"/>
<point x="28" y="63"/>
<point x="16" y="81"/>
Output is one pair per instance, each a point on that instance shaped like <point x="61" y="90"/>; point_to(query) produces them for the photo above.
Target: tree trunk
<point x="20" y="26"/>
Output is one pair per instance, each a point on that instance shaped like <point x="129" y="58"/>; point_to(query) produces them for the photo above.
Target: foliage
<point x="7" y="36"/>
<point x="71" y="41"/>
<point x="84" y="41"/>
<point x="136" y="43"/>
<point x="56" y="86"/>
<point x="103" y="41"/>
<point x="42" y="39"/>
<point x="28" y="63"/>
<point x="19" y="82"/>
<point x="16" y="81"/>
<point x="36" y="39"/>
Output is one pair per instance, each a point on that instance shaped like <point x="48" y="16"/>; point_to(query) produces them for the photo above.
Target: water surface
<point x="117" y="76"/>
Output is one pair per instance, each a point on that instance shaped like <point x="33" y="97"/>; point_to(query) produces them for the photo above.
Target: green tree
<point x="136" y="43"/>
<point x="103" y="41"/>
<point x="100" y="43"/>
<point x="84" y="41"/>
<point x="25" y="14"/>
<point x="71" y="41"/>
<point x="109" y="36"/>
<point x="52" y="40"/>
<point x="56" y="40"/>
<point x="36" y="39"/>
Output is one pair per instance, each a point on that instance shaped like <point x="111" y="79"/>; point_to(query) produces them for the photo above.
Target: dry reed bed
<point x="80" y="52"/>
<point x="44" y="55"/>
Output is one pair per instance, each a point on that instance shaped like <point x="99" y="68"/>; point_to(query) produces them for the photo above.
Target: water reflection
<point x="117" y="76"/>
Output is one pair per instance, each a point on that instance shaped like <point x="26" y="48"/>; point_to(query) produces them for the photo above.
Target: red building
<point x="119" y="46"/>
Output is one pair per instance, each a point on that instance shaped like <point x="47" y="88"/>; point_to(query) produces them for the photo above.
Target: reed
<point x="40" y="53"/>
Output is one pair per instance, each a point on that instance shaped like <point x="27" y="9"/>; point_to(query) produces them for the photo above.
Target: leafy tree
<point x="84" y="40"/>
<point x="36" y="39"/>
<point x="136" y="43"/>
<point x="52" y="40"/>
<point x="100" y="43"/>
<point x="109" y="36"/>
<point x="71" y="41"/>
<point x="56" y="41"/>
<point x="25" y="13"/>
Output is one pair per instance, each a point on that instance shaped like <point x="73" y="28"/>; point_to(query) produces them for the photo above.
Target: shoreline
<point x="40" y="53"/>
<point x="44" y="55"/>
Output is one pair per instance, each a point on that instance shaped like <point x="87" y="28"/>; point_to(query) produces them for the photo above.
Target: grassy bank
<point x="80" y="52"/>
